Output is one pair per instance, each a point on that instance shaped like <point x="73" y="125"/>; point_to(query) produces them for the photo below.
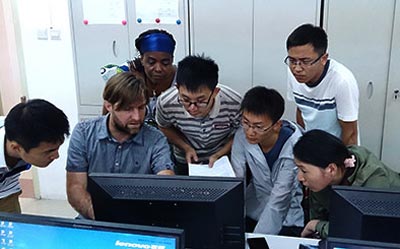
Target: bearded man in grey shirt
<point x="119" y="142"/>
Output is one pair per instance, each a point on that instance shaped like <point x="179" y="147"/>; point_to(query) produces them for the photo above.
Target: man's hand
<point x="90" y="212"/>
<point x="191" y="155"/>
<point x="212" y="159"/>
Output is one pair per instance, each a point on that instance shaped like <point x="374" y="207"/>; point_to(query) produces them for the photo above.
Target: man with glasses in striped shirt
<point x="198" y="116"/>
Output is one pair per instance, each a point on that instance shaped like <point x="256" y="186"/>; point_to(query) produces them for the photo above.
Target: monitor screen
<point x="365" y="214"/>
<point x="209" y="209"/>
<point x="19" y="231"/>
<point x="339" y="243"/>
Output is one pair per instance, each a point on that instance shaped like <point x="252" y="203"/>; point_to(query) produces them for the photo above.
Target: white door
<point x="172" y="17"/>
<point x="359" y="34"/>
<point x="273" y="22"/>
<point x="391" y="136"/>
<point x="95" y="45"/>
<point x="222" y="30"/>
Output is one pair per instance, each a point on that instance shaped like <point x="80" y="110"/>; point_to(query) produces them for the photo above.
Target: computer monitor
<point x="19" y="231"/>
<point x="365" y="214"/>
<point x="209" y="209"/>
<point x="340" y="243"/>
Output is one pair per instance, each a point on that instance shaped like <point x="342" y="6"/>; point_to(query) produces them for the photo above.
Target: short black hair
<point x="260" y="100"/>
<point x="320" y="148"/>
<point x="34" y="122"/>
<point x="197" y="71"/>
<point x="309" y="34"/>
<point x="140" y="38"/>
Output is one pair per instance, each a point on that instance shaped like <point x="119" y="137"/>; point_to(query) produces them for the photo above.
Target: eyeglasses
<point x="188" y="103"/>
<point x="291" y="62"/>
<point x="246" y="126"/>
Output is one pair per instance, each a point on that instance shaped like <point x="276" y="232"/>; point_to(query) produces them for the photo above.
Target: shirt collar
<point x="326" y="67"/>
<point x="216" y="107"/>
<point x="2" y="155"/>
<point x="20" y="164"/>
<point x="105" y="134"/>
<point x="103" y="131"/>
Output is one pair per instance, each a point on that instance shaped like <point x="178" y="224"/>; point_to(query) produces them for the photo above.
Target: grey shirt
<point x="93" y="149"/>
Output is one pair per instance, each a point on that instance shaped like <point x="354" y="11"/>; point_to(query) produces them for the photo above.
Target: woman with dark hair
<point x="154" y="64"/>
<point x="323" y="160"/>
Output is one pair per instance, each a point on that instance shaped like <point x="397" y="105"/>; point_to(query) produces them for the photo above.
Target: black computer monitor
<point x="340" y="243"/>
<point x="19" y="231"/>
<point x="365" y="214"/>
<point x="209" y="209"/>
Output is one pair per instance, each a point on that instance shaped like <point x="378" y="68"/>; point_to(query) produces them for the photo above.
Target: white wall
<point x="10" y="77"/>
<point x="49" y="75"/>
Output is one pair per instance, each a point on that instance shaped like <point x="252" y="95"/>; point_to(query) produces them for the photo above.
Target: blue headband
<point x="157" y="42"/>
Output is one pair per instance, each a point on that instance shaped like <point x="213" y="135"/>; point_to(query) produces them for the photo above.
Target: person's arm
<point x="279" y="202"/>
<point x="178" y="139"/>
<point x="347" y="106"/>
<point x="319" y="214"/>
<point x="349" y="132"/>
<point x="77" y="194"/>
<point x="166" y="172"/>
<point x="175" y="136"/>
<point x="77" y="172"/>
<point x="238" y="155"/>
<point x="299" y="118"/>
<point x="161" y="162"/>
<point x="225" y="150"/>
<point x="315" y="227"/>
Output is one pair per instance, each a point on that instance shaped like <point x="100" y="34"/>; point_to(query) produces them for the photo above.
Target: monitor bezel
<point x="105" y="226"/>
<point x="233" y="185"/>
<point x="332" y="242"/>
<point x="358" y="216"/>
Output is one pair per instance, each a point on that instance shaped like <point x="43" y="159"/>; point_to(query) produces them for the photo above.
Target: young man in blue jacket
<point x="264" y="145"/>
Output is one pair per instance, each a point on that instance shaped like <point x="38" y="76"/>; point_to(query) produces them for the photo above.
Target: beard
<point x="125" y="129"/>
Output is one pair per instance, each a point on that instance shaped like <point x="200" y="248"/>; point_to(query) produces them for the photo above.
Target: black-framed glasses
<point x="291" y="62"/>
<point x="258" y="129"/>
<point x="188" y="103"/>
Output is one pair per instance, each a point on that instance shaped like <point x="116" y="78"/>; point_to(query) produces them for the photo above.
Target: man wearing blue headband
<point x="156" y="49"/>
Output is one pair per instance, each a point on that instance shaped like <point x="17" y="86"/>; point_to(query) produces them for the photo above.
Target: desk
<point x="282" y="242"/>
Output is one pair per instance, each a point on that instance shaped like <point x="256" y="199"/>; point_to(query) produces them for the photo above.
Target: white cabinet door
<point x="95" y="45"/>
<point x="222" y="30"/>
<point x="359" y="33"/>
<point x="178" y="27"/>
<point x="391" y="136"/>
<point x="273" y="22"/>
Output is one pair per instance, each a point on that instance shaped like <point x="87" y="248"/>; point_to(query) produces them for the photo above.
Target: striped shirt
<point x="9" y="178"/>
<point x="208" y="134"/>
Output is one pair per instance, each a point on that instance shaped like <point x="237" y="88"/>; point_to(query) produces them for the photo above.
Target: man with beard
<point x="119" y="142"/>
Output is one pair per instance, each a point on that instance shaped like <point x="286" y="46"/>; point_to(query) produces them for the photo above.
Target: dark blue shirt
<point x="272" y="155"/>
